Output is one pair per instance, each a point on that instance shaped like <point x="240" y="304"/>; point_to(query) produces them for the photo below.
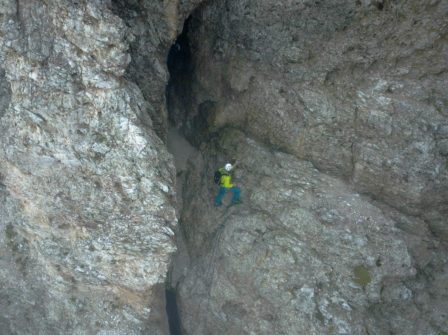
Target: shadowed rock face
<point x="355" y="88"/>
<point x="5" y="93"/>
<point x="304" y="253"/>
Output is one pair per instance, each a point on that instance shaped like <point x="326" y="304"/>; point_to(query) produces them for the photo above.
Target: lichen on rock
<point x="362" y="275"/>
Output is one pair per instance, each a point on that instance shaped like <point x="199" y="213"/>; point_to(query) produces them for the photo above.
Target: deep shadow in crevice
<point x="178" y="91"/>
<point x="179" y="106"/>
<point x="5" y="93"/>
<point x="184" y="112"/>
<point x="172" y="312"/>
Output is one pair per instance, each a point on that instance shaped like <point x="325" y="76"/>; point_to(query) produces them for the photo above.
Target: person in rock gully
<point x="223" y="177"/>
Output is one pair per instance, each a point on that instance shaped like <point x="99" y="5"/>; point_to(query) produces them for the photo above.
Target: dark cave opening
<point x="180" y="68"/>
<point x="178" y="103"/>
<point x="184" y="113"/>
<point x="182" y="119"/>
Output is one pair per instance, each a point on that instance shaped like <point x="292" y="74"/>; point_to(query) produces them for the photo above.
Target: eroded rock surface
<point x="349" y="89"/>
<point x="336" y="112"/>
<point x="304" y="253"/>
<point x="154" y="26"/>
<point x="356" y="87"/>
<point x="87" y="187"/>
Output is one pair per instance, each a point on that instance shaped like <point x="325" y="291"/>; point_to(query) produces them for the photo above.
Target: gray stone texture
<point x="337" y="113"/>
<point x="357" y="88"/>
<point x="154" y="26"/>
<point x="303" y="254"/>
<point x="87" y="208"/>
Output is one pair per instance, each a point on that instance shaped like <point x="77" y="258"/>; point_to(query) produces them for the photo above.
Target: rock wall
<point x="301" y="93"/>
<point x="154" y="27"/>
<point x="356" y="87"/>
<point x="335" y="111"/>
<point x="87" y="187"/>
<point x="303" y="254"/>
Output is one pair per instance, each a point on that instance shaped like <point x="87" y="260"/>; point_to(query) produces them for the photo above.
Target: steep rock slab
<point x="356" y="87"/>
<point x="303" y="254"/>
<point x="86" y="185"/>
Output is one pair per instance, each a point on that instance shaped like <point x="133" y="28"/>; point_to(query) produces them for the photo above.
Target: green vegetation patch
<point x="11" y="235"/>
<point x="9" y="232"/>
<point x="362" y="275"/>
<point x="319" y="316"/>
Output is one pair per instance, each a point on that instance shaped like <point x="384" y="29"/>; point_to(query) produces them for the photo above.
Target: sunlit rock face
<point x="86" y="186"/>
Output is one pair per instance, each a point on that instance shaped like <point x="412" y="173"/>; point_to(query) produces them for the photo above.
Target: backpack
<point x="217" y="177"/>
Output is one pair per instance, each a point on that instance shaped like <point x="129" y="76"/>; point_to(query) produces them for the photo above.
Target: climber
<point x="224" y="180"/>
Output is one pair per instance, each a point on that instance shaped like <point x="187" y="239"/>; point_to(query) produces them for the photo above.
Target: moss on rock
<point x="362" y="275"/>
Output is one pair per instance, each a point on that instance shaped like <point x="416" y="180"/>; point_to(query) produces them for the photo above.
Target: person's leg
<point x="236" y="194"/>
<point x="218" y="199"/>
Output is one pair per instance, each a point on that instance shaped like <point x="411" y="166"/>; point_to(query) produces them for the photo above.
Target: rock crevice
<point x="335" y="113"/>
<point x="345" y="96"/>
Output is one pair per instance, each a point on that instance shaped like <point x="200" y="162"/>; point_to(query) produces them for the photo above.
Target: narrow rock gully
<point x="187" y="136"/>
<point x="240" y="270"/>
<point x="335" y="112"/>
<point x="177" y="96"/>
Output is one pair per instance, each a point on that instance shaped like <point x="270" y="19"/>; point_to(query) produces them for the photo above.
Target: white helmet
<point x="228" y="167"/>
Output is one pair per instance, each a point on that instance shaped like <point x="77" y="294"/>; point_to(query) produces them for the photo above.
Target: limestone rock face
<point x="356" y="87"/>
<point x="341" y="115"/>
<point x="303" y="254"/>
<point x="154" y="26"/>
<point x="336" y="112"/>
<point x="86" y="186"/>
